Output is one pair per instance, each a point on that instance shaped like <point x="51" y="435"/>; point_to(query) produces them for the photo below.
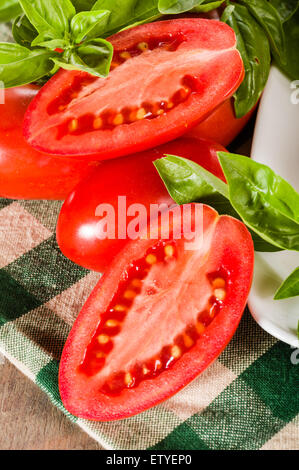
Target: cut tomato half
<point x="166" y="77"/>
<point x="164" y="310"/>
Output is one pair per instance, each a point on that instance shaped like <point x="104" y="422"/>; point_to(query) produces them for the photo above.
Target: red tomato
<point x="167" y="76"/>
<point x="222" y="125"/>
<point x="158" y="317"/>
<point x="134" y="177"/>
<point x="24" y="172"/>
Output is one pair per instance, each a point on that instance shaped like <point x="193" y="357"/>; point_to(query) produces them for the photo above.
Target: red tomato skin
<point x="26" y="173"/>
<point x="134" y="177"/>
<point x="146" y="133"/>
<point x="84" y="400"/>
<point x="222" y="125"/>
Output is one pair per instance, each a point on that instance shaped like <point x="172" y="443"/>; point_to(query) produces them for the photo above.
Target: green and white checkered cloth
<point x="248" y="399"/>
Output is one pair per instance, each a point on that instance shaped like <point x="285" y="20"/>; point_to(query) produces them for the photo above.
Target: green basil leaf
<point x="254" y="47"/>
<point x="9" y="9"/>
<point x="23" y="32"/>
<point x="269" y="19"/>
<point x="51" y="44"/>
<point x="93" y="56"/>
<point x="285" y="8"/>
<point x="291" y="65"/>
<point x="19" y="65"/>
<point x="187" y="182"/>
<point x="170" y="7"/>
<point x="126" y="13"/>
<point x="89" y="24"/>
<point x="265" y="201"/>
<point x="50" y="18"/>
<point x="207" y="6"/>
<point x="290" y="287"/>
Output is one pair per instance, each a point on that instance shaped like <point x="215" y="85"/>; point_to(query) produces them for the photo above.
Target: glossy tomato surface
<point x="166" y="77"/>
<point x="24" y="172"/>
<point x="79" y="228"/>
<point x="162" y="312"/>
<point x="222" y="125"/>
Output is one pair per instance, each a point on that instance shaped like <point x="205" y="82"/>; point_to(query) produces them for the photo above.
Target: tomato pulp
<point x="79" y="230"/>
<point x="159" y="316"/>
<point x="166" y="77"/>
<point x="24" y="172"/>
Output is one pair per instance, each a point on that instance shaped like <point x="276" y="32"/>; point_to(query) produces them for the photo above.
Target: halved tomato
<point x="79" y="227"/>
<point x="26" y="173"/>
<point x="166" y="77"/>
<point x="160" y="315"/>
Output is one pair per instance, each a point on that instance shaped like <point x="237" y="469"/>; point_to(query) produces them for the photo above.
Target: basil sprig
<point x="52" y="34"/>
<point x="264" y="201"/>
<point x="187" y="182"/>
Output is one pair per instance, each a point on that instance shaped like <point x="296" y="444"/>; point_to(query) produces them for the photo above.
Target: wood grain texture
<point x="28" y="421"/>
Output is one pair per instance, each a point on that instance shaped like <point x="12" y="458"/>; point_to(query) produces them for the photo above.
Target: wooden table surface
<point x="28" y="420"/>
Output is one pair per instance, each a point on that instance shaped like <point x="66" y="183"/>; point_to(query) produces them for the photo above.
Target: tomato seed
<point x="151" y="259"/>
<point x="218" y="283"/>
<point x="112" y="323"/>
<point x="130" y="294"/>
<point x="103" y="339"/>
<point x="143" y="46"/>
<point x="118" y="120"/>
<point x="73" y="125"/>
<point x="220" y="294"/>
<point x="97" y="123"/>
<point x="125" y="55"/>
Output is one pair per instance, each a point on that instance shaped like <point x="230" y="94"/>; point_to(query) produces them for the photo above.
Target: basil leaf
<point x="207" y="6"/>
<point x="291" y="29"/>
<point x="93" y="56"/>
<point x="50" y="18"/>
<point x="285" y="8"/>
<point x="169" y="7"/>
<point x="187" y="182"/>
<point x="265" y="202"/>
<point x="269" y="19"/>
<point x="126" y="13"/>
<point x="19" y="65"/>
<point x="83" y="5"/>
<point x="23" y="32"/>
<point x="254" y="47"/>
<point x="290" y="287"/>
<point x="9" y="9"/>
<point x="89" y="24"/>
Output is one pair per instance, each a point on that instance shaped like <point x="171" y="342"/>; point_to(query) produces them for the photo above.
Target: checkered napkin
<point x="248" y="399"/>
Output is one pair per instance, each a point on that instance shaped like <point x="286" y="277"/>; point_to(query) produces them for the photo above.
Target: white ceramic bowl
<point x="276" y="143"/>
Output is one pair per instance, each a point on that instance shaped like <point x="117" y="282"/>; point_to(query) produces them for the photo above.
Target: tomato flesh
<point x="24" y="172"/>
<point x="134" y="177"/>
<point x="166" y="77"/>
<point x="158" y="317"/>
